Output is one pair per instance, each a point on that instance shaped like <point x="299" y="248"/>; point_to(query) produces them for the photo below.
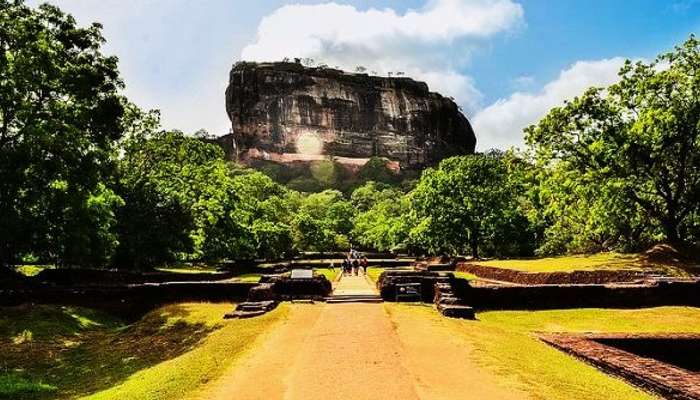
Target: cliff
<point x="286" y="112"/>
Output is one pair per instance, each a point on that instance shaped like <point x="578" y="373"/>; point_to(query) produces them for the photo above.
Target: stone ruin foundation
<point x="666" y="364"/>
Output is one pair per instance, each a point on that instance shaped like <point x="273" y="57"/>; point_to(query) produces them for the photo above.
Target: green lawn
<point x="465" y="275"/>
<point x="330" y="274"/>
<point x="66" y="352"/>
<point x="250" y="277"/>
<point x="374" y="272"/>
<point x="504" y="342"/>
<point x="599" y="261"/>
<point x="31" y="270"/>
<point x="189" y="269"/>
<point x="242" y="276"/>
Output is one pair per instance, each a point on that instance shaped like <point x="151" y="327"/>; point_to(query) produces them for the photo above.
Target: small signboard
<point x="302" y="273"/>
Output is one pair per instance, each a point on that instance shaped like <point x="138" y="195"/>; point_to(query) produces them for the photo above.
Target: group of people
<point x="354" y="264"/>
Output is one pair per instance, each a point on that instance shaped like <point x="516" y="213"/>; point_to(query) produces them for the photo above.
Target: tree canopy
<point x="461" y="205"/>
<point x="89" y="179"/>
<point x="639" y="138"/>
<point x="60" y="117"/>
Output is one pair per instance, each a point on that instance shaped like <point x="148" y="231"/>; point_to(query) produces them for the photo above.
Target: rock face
<point x="286" y="112"/>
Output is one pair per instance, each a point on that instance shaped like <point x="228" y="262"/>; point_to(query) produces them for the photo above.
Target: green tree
<point x="179" y="194"/>
<point x="266" y="209"/>
<point x="60" y="117"/>
<point x="323" y="222"/>
<point x="460" y="206"/>
<point x="379" y="222"/>
<point x="365" y="196"/>
<point x="376" y="169"/>
<point x="641" y="136"/>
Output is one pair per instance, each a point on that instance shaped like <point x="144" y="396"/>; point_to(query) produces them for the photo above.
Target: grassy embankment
<point x="67" y="352"/>
<point x="374" y="272"/>
<point x="33" y="270"/>
<point x="330" y="274"/>
<point x="589" y="262"/>
<point x="504" y="342"/>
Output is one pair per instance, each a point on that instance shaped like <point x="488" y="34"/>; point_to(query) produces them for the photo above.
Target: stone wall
<point x="667" y="380"/>
<point x="286" y="288"/>
<point x="388" y="281"/>
<point x="128" y="300"/>
<point x="534" y="297"/>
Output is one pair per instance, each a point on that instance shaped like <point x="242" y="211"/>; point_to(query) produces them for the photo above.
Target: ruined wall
<point x="548" y="278"/>
<point x="286" y="112"/>
<point x="130" y="301"/>
<point x="537" y="297"/>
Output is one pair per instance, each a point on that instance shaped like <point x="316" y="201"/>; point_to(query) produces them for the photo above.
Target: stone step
<point x="340" y="296"/>
<point x="250" y="309"/>
<point x="256" y="305"/>
<point x="244" y="314"/>
<point x="456" y="311"/>
<point x="354" y="299"/>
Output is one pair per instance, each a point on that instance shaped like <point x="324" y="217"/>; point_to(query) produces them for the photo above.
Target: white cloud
<point x="174" y="55"/>
<point x="501" y="124"/>
<point x="429" y="44"/>
<point x="523" y="82"/>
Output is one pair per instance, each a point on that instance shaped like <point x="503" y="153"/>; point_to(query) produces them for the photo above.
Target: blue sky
<point x="505" y="61"/>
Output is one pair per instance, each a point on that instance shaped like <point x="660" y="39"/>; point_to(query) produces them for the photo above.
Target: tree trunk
<point x="474" y="242"/>
<point x="670" y="227"/>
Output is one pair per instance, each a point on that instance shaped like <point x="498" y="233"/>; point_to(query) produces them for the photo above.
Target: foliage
<point x="376" y="169"/>
<point x="466" y="204"/>
<point x="60" y="115"/>
<point x="89" y="179"/>
<point x="323" y="222"/>
<point x="176" y="190"/>
<point x="380" y="222"/>
<point x="266" y="210"/>
<point x="640" y="139"/>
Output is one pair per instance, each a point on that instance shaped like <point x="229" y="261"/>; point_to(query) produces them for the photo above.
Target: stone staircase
<point x="354" y="298"/>
<point x="354" y="289"/>
<point x="249" y="309"/>
<point x="450" y="305"/>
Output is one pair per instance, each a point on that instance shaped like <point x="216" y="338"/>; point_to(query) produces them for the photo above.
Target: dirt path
<point x="356" y="351"/>
<point x="358" y="285"/>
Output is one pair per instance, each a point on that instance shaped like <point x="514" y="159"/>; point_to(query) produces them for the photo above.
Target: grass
<point x="465" y="275"/>
<point x="31" y="270"/>
<point x="11" y="384"/>
<point x="374" y="272"/>
<point x="255" y="276"/>
<point x="180" y="377"/>
<point x="504" y="343"/>
<point x="330" y="274"/>
<point x="599" y="261"/>
<point x="189" y="270"/>
<point x="250" y="277"/>
<point x="64" y="352"/>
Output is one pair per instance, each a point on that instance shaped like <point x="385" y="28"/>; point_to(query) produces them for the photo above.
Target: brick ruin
<point x="646" y="360"/>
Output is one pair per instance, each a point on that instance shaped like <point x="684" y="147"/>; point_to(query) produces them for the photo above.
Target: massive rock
<point x="286" y="112"/>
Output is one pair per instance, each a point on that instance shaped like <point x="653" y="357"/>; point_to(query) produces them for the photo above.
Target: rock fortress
<point x="288" y="113"/>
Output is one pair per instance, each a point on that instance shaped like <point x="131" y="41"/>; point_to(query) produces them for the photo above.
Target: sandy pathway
<point x="356" y="351"/>
<point x="440" y="360"/>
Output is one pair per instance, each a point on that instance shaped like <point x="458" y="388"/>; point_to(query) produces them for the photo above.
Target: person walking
<point x="355" y="266"/>
<point x="364" y="264"/>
